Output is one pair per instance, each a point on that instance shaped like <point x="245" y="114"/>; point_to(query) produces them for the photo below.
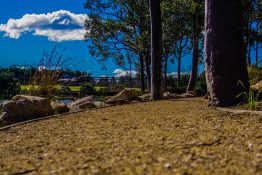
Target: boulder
<point x="124" y="96"/>
<point x="191" y="93"/>
<point x="23" y="107"/>
<point x="59" y="108"/>
<point x="186" y="95"/>
<point x="168" y="96"/>
<point x="145" y="97"/>
<point x="83" y="103"/>
<point x="257" y="87"/>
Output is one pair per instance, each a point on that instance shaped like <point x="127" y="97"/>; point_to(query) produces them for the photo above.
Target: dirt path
<point x="165" y="137"/>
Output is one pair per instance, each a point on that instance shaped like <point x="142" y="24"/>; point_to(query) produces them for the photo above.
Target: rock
<point x="23" y="107"/>
<point x="186" y="95"/>
<point x="145" y="97"/>
<point x="257" y="87"/>
<point x="168" y="96"/>
<point x="83" y="103"/>
<point x="59" y="108"/>
<point x="191" y="93"/>
<point x="124" y="96"/>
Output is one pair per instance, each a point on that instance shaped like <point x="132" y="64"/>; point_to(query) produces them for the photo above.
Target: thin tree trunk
<point x="257" y="47"/>
<point x="142" y="73"/>
<point x="156" y="50"/>
<point x="224" y="55"/>
<point x="148" y="72"/>
<point x="193" y="75"/>
<point x="178" y="72"/>
<point x="165" y="73"/>
<point x="130" y="74"/>
<point x="249" y="53"/>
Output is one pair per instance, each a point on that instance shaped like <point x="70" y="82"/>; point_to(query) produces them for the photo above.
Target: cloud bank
<point x="58" y="26"/>
<point x="123" y="73"/>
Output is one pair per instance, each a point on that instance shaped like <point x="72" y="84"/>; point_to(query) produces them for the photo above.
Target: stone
<point x="59" y="108"/>
<point x="126" y="95"/>
<point x="145" y="97"/>
<point x="83" y="103"/>
<point x="168" y="96"/>
<point x="257" y="87"/>
<point x="191" y="93"/>
<point x="23" y="107"/>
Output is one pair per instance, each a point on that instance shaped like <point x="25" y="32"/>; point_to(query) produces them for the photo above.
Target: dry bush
<point x="45" y="80"/>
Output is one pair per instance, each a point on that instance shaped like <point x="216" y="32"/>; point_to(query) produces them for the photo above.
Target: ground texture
<point x="166" y="137"/>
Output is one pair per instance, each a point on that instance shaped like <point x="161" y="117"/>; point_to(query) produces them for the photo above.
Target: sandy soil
<point x="165" y="137"/>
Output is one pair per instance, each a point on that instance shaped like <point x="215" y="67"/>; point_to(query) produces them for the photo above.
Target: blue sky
<point x="27" y="38"/>
<point x="28" y="48"/>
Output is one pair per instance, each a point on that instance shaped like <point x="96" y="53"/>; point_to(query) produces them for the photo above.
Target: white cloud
<point x="58" y="26"/>
<point x="123" y="73"/>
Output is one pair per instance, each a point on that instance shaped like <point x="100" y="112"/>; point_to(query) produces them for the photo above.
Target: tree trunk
<point x="130" y="74"/>
<point x="249" y="43"/>
<point x="148" y="72"/>
<point x="142" y="73"/>
<point x="257" y="47"/>
<point x="178" y="72"/>
<point x="165" y="73"/>
<point x="224" y="55"/>
<point x="193" y="76"/>
<point x="156" y="50"/>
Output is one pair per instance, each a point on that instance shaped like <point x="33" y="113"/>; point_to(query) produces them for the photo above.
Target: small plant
<point x="250" y="97"/>
<point x="45" y="80"/>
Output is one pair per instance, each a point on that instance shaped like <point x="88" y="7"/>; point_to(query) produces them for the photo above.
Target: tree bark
<point x="165" y="72"/>
<point x="249" y="44"/>
<point x="225" y="62"/>
<point x="178" y="72"/>
<point x="148" y="71"/>
<point x="156" y="50"/>
<point x="257" y="47"/>
<point x="193" y="75"/>
<point x="142" y="73"/>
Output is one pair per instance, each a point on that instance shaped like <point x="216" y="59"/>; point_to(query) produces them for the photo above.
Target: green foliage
<point x="201" y="86"/>
<point x="9" y="87"/>
<point x="250" y="97"/>
<point x="87" y="88"/>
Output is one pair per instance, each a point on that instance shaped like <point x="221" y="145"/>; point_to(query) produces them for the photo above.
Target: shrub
<point x="9" y="87"/>
<point x="45" y="80"/>
<point x="87" y="88"/>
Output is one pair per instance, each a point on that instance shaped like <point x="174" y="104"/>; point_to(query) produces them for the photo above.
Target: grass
<point x="72" y="88"/>
<point x="251" y="99"/>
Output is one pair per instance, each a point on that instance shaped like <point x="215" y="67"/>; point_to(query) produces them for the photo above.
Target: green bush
<point x="9" y="87"/>
<point x="87" y="88"/>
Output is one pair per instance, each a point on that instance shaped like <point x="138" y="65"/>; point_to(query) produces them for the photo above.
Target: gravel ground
<point x="165" y="137"/>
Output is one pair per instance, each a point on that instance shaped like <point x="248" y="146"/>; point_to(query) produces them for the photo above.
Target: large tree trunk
<point x="224" y="51"/>
<point x="142" y="73"/>
<point x="156" y="50"/>
<point x="193" y="75"/>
